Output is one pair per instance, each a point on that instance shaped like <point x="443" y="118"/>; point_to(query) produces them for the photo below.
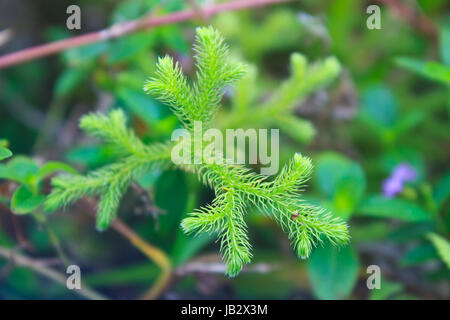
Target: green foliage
<point x="387" y="290"/>
<point x="442" y="190"/>
<point x="390" y="106"/>
<point x="246" y="34"/>
<point x="419" y="254"/>
<point x="236" y="187"/>
<point x="24" y="201"/>
<point x="442" y="246"/>
<point x="432" y="70"/>
<point x="111" y="181"/>
<point x="342" y="182"/>
<point x="215" y="71"/>
<point x="381" y="207"/>
<point x="333" y="272"/>
<point x="5" y="153"/>
<point x="305" y="78"/>
<point x="26" y="172"/>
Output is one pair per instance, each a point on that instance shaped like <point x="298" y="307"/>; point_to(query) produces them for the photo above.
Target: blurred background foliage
<point x="385" y="116"/>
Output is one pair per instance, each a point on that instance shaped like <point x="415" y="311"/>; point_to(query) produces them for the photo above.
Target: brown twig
<point x="124" y="28"/>
<point x="153" y="253"/>
<point x="147" y="201"/>
<point x="39" y="267"/>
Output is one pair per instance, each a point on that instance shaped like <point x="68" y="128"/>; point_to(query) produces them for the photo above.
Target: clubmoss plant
<point x="249" y="109"/>
<point x="236" y="187"/>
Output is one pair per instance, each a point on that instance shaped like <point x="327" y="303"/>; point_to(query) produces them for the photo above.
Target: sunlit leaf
<point x="52" y="167"/>
<point x="392" y="208"/>
<point x="419" y="254"/>
<point x="386" y="291"/>
<point x="333" y="272"/>
<point x="24" y="201"/>
<point x="379" y="106"/>
<point x="442" y="245"/>
<point x="442" y="190"/>
<point x="5" y="153"/>
<point x="431" y="70"/>
<point x="445" y="45"/>
<point x="20" y="169"/>
<point x="341" y="180"/>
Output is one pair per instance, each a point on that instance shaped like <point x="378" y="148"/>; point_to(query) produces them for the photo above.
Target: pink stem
<point x="121" y="29"/>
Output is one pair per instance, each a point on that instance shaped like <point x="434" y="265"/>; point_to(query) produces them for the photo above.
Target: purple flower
<point x="401" y="174"/>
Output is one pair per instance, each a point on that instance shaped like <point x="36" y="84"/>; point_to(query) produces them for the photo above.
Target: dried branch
<point x="125" y="28"/>
<point x="153" y="253"/>
<point x="41" y="268"/>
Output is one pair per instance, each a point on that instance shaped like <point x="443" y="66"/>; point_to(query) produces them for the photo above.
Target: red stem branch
<point x="121" y="29"/>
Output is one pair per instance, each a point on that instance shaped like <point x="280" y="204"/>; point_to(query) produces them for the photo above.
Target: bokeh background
<point x="379" y="137"/>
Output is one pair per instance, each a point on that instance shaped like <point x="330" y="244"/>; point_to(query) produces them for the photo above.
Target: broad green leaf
<point x="333" y="272"/>
<point x="85" y="54"/>
<point x="90" y="156"/>
<point x="445" y="45"/>
<point x="330" y="168"/>
<point x="419" y="254"/>
<point x="140" y="104"/>
<point x="142" y="274"/>
<point x="4" y="153"/>
<point x="392" y="208"/>
<point x="349" y="192"/>
<point x="131" y="80"/>
<point x="447" y="219"/>
<point x="70" y="79"/>
<point x="24" y="201"/>
<point x="431" y="70"/>
<point x="21" y="169"/>
<point x="148" y="179"/>
<point x="410" y="231"/>
<point x="51" y="167"/>
<point x="386" y="291"/>
<point x="408" y="122"/>
<point x="128" y="10"/>
<point x="126" y="48"/>
<point x="342" y="181"/>
<point x="171" y="195"/>
<point x="442" y="190"/>
<point x="5" y="173"/>
<point x="442" y="246"/>
<point x="414" y="65"/>
<point x="172" y="36"/>
<point x="186" y="247"/>
<point x="379" y="106"/>
<point x="370" y="232"/>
